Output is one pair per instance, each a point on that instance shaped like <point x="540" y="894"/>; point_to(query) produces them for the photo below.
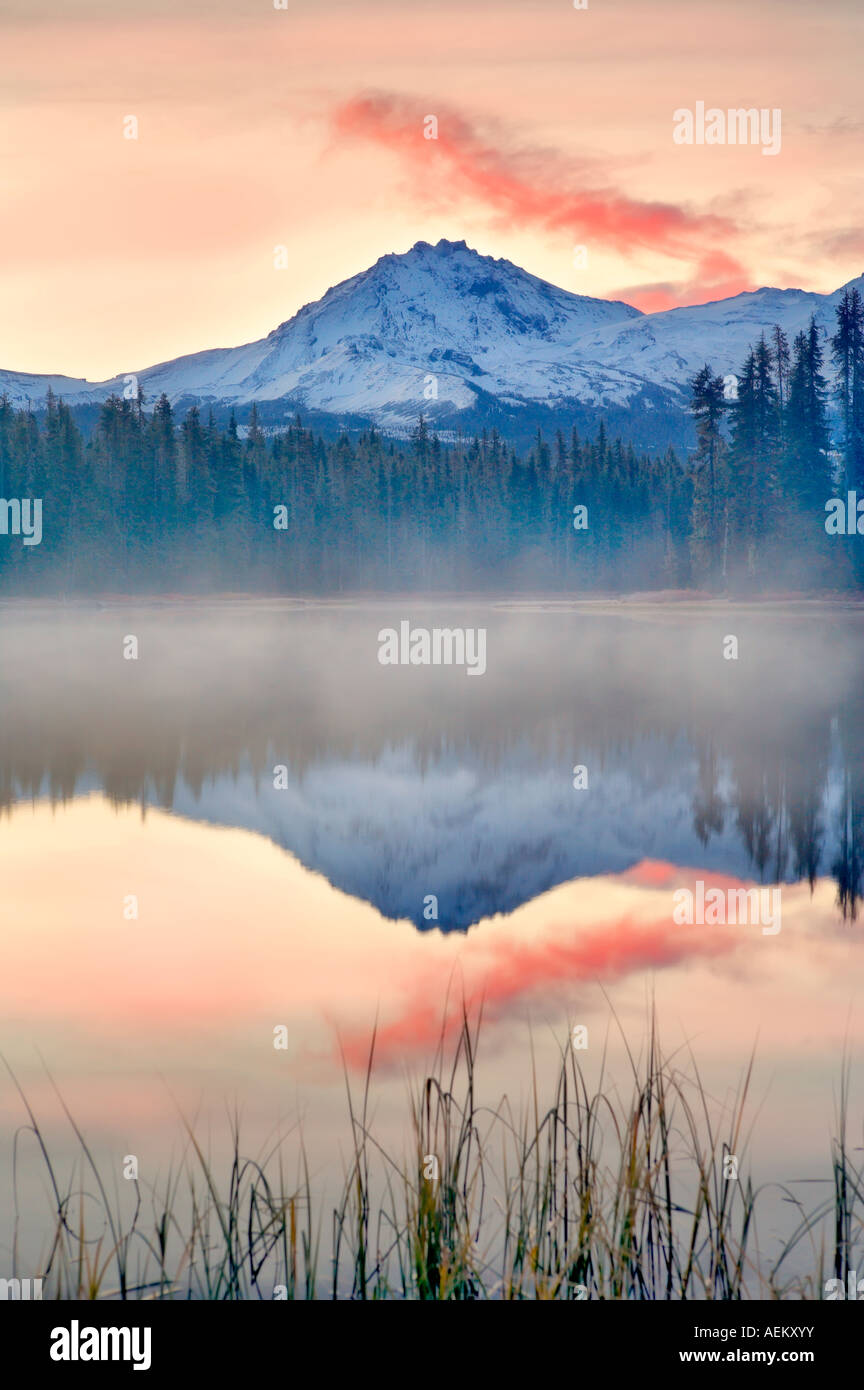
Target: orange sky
<point x="302" y="127"/>
<point x="140" y="1021"/>
<point x="252" y="939"/>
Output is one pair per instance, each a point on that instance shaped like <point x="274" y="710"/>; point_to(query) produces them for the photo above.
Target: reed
<point x="587" y="1192"/>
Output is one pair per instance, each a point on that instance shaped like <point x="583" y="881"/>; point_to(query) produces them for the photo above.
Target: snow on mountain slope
<point x="481" y="327"/>
<point x="369" y="345"/>
<point x="488" y="839"/>
<point x="668" y="348"/>
<point x="29" y="388"/>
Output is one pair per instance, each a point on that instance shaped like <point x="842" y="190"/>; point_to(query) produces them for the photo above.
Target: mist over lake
<point x="255" y="825"/>
<point x="431" y="674"/>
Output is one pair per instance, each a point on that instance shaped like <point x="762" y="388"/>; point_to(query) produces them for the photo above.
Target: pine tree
<point x="754" y="501"/>
<point x="707" y="406"/>
<point x="198" y="481"/>
<point x="807" y="471"/>
<point x="163" y="445"/>
<point x="780" y="358"/>
<point x="847" y="347"/>
<point x="230" y="493"/>
<point x="420" y="440"/>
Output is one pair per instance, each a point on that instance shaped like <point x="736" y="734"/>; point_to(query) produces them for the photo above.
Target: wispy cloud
<point x="514" y="972"/>
<point x="540" y="189"/>
<point x="849" y="241"/>
<point x="718" y="276"/>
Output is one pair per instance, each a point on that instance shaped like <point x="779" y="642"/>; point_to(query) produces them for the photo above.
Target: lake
<point x="225" y="862"/>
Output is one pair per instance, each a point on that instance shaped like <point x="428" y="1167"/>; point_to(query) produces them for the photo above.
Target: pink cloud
<point x="658" y="873"/>
<point x="718" y="276"/>
<point x="509" y="972"/>
<point x="539" y="189"/>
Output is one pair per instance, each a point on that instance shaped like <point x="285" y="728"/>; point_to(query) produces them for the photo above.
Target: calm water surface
<point x="311" y="904"/>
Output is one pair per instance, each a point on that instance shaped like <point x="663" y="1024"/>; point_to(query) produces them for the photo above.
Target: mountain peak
<point x="445" y="329"/>
<point x="443" y="245"/>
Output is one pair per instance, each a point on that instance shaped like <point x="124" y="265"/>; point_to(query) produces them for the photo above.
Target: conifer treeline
<point x="764" y="467"/>
<point x="150" y="503"/>
<point x="145" y="504"/>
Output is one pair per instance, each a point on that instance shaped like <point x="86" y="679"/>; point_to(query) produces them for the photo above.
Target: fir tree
<point x="847" y="347"/>
<point x="708" y="405"/>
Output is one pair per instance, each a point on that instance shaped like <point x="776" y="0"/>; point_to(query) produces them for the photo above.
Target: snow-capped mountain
<point x="444" y="330"/>
<point x="668" y="348"/>
<point x="484" y="840"/>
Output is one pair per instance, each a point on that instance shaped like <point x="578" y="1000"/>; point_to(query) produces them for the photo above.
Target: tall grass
<point x="586" y="1192"/>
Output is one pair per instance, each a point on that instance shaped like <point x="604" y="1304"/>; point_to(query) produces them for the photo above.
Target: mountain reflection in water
<point x="403" y="782"/>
